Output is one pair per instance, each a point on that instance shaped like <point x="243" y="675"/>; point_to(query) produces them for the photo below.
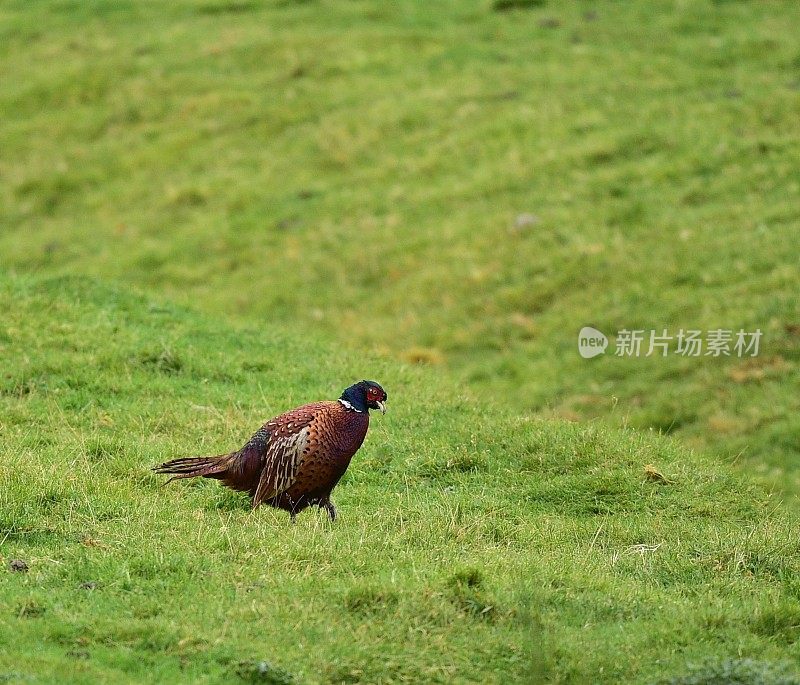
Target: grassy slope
<point x="473" y="546"/>
<point x="343" y="177"/>
<point x="355" y="169"/>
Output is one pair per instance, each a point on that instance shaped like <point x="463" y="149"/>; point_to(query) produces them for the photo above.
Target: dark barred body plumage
<point x="293" y="461"/>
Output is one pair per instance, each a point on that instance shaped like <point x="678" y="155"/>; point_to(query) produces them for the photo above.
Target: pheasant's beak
<point x="381" y="406"/>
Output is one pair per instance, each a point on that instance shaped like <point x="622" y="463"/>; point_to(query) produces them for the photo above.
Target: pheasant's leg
<point x="328" y="506"/>
<point x="292" y="507"/>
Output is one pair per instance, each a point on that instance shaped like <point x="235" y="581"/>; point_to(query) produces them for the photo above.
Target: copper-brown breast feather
<point x="278" y="449"/>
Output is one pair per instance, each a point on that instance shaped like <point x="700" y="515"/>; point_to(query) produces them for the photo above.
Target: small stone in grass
<point x="17" y="566"/>
<point x="524" y="221"/>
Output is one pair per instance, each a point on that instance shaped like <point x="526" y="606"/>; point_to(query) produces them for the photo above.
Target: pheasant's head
<point x="365" y="395"/>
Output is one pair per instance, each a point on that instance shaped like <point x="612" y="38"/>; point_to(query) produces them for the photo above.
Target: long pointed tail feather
<point x="193" y="467"/>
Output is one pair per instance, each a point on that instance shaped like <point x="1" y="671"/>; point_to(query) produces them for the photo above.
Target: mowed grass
<point x="474" y="544"/>
<point x="358" y="169"/>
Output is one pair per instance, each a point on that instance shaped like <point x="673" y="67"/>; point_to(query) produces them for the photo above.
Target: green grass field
<point x="215" y="210"/>
<point x="474" y="544"/>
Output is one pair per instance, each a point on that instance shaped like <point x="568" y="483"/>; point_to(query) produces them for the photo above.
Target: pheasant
<point x="296" y="459"/>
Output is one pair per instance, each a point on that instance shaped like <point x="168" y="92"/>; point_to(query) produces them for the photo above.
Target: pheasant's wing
<point x="285" y="442"/>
